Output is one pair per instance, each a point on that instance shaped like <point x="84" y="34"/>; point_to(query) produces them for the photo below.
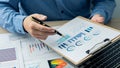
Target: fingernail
<point x="44" y="17"/>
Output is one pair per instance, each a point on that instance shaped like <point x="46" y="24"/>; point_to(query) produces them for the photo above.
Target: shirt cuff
<point x="18" y="22"/>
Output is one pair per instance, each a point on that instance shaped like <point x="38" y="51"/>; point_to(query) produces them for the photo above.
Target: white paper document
<point x="24" y="51"/>
<point x="10" y="56"/>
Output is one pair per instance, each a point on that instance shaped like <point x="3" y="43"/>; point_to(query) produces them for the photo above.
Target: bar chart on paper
<point x="33" y="48"/>
<point x="7" y="54"/>
<point x="36" y="47"/>
<point x="8" y="58"/>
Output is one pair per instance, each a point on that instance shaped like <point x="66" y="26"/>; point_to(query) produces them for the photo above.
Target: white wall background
<point x="116" y="13"/>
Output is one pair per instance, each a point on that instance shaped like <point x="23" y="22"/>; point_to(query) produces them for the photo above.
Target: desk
<point x="115" y="23"/>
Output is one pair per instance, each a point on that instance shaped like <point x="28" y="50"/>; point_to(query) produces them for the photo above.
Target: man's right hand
<point x="36" y="30"/>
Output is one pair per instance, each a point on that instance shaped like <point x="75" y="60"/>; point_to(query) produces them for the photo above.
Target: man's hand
<point x="36" y="30"/>
<point x="98" y="18"/>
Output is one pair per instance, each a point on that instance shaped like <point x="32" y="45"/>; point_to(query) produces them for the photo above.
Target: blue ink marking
<point x="63" y="45"/>
<point x="63" y="39"/>
<point x="76" y="37"/>
<point x="39" y="46"/>
<point x="71" y="48"/>
<point x="78" y="43"/>
<point x="87" y="38"/>
<point x="89" y="29"/>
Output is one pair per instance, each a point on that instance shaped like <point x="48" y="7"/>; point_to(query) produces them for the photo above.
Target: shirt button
<point x="62" y="11"/>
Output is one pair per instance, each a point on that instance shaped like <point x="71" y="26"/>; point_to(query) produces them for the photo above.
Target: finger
<point x="41" y="37"/>
<point x="94" y="20"/>
<point x="40" y="16"/>
<point x="100" y="19"/>
<point x="40" y="27"/>
<point x="39" y="33"/>
<point x="46" y="29"/>
<point x="46" y="33"/>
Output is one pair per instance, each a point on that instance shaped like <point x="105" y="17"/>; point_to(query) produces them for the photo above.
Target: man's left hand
<point x="98" y="18"/>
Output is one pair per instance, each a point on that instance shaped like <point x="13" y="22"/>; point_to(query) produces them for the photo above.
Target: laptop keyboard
<point x="107" y="58"/>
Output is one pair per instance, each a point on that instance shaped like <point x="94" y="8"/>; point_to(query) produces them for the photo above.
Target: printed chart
<point x="7" y="54"/>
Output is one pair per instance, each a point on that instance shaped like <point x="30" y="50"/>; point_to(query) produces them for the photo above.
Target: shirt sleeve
<point x="11" y="19"/>
<point x="104" y="8"/>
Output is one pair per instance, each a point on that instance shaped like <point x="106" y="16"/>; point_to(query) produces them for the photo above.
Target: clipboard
<point x="80" y="36"/>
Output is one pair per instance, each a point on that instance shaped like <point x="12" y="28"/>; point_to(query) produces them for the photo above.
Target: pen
<point x="41" y="22"/>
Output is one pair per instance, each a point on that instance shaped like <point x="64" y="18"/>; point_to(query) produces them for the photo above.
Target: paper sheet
<point x="9" y="53"/>
<point x="18" y="51"/>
